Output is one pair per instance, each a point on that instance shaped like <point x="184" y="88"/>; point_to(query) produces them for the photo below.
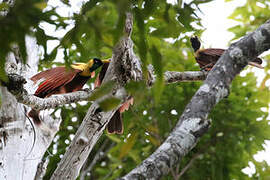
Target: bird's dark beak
<point x="106" y="60"/>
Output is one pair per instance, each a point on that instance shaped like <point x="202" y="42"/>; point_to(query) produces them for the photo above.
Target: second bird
<point x="207" y="58"/>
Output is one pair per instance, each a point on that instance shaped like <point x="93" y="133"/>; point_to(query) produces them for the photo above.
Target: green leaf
<point x="149" y="7"/>
<point x="89" y="5"/>
<point x="142" y="43"/>
<point x="66" y="2"/>
<point x="134" y="154"/>
<point x="104" y="89"/>
<point x="185" y="16"/>
<point x="114" y="138"/>
<point x="158" y="66"/>
<point x="42" y="39"/>
<point x="157" y="61"/>
<point x="52" y="55"/>
<point x="3" y="75"/>
<point x="41" y="5"/>
<point x="22" y="45"/>
<point x="109" y="103"/>
<point x="3" y="6"/>
<point x="136" y="89"/>
<point x="0" y="99"/>
<point x="128" y="145"/>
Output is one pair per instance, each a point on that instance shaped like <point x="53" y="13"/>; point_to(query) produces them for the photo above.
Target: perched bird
<point x="207" y="58"/>
<point x="115" y="125"/>
<point x="61" y="80"/>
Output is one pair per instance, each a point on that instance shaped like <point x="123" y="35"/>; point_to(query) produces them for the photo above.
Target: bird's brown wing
<point x="213" y="52"/>
<point x="101" y="75"/>
<point x="210" y="55"/>
<point x="55" y="78"/>
<point x="207" y="58"/>
<point x="47" y="74"/>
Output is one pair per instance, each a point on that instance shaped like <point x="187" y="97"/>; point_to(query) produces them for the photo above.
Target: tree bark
<point x="123" y="67"/>
<point x="19" y="155"/>
<point x="193" y="123"/>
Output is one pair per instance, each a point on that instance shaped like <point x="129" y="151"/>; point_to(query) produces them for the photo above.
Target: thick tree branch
<point x="23" y="145"/>
<point x="124" y="66"/>
<point x="15" y="86"/>
<point x="193" y="122"/>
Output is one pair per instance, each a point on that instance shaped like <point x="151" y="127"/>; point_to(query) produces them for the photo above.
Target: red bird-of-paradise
<point x="207" y="58"/>
<point x="61" y="80"/>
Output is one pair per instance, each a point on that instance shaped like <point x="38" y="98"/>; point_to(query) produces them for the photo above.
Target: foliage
<point x="16" y="23"/>
<point x="161" y="35"/>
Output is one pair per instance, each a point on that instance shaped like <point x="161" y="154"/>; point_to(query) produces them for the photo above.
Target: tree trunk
<point x="22" y="146"/>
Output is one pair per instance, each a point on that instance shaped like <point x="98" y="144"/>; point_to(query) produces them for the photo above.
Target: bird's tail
<point x="115" y="126"/>
<point x="256" y="63"/>
<point x="34" y="114"/>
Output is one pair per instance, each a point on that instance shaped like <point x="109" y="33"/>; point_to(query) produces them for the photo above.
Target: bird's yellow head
<point x="96" y="63"/>
<point x="88" y="68"/>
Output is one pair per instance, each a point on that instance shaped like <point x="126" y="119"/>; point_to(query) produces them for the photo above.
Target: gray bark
<point x="19" y="156"/>
<point x="16" y="82"/>
<point x="193" y="123"/>
<point x="123" y="67"/>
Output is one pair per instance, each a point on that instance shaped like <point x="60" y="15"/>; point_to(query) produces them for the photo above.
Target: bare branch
<point x="174" y="77"/>
<point x="54" y="101"/>
<point x="99" y="155"/>
<point x="15" y="86"/>
<point x="193" y="123"/>
<point x="187" y="76"/>
<point x="188" y="165"/>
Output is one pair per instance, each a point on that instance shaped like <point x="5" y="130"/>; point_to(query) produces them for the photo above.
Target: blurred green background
<point x="161" y="35"/>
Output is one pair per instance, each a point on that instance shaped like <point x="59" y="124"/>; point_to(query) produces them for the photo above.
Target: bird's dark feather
<point x="54" y="79"/>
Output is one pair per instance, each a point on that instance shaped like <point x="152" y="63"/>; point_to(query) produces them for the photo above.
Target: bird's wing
<point x="54" y="79"/>
<point x="101" y="75"/>
<point x="212" y="52"/>
<point x="47" y="74"/>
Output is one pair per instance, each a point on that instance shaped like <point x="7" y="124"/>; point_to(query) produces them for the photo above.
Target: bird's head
<point x="195" y="43"/>
<point x="96" y="63"/>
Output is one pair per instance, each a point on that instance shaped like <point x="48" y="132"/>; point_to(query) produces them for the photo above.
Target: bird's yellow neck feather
<point x="84" y="67"/>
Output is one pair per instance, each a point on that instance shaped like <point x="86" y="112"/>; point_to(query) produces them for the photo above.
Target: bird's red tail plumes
<point x="115" y="125"/>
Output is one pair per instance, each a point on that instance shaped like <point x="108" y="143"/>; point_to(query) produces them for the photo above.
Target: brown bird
<point x="115" y="125"/>
<point x="207" y="58"/>
<point x="61" y="80"/>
